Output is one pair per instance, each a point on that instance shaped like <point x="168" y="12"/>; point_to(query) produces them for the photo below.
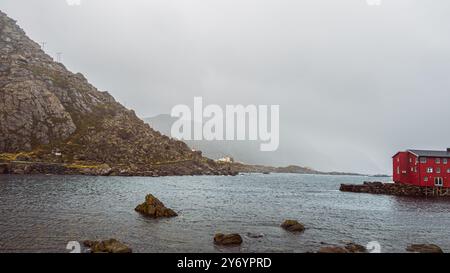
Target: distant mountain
<point x="245" y="168"/>
<point x="242" y="151"/>
<point x="51" y="115"/>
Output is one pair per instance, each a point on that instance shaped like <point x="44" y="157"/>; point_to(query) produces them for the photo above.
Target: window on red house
<point x="438" y="170"/>
<point x="445" y="161"/>
<point x="438" y="161"/>
<point x="438" y="182"/>
<point x="430" y="170"/>
<point x="423" y="160"/>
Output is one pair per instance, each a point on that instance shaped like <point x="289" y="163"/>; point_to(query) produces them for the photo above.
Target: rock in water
<point x="154" y="208"/>
<point x="233" y="239"/>
<point x="424" y="248"/>
<point x="348" y="248"/>
<point x="293" y="226"/>
<point x="108" y="246"/>
<point x="355" y="248"/>
<point x="333" y="249"/>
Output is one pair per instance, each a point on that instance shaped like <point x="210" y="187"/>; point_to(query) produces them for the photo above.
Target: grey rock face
<point x="31" y="114"/>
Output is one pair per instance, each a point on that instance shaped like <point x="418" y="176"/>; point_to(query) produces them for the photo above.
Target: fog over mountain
<point x="355" y="82"/>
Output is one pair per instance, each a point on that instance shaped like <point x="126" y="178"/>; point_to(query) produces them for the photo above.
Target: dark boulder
<point x="228" y="239"/>
<point x="333" y="249"/>
<point x="293" y="226"/>
<point x="154" y="208"/>
<point x="348" y="248"/>
<point x="107" y="246"/>
<point x="355" y="248"/>
<point x="424" y="248"/>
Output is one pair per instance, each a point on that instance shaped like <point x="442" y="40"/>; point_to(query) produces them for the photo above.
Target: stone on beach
<point x="293" y="226"/>
<point x="424" y="248"/>
<point x="154" y="208"/>
<point x="107" y="246"/>
<point x="233" y="239"/>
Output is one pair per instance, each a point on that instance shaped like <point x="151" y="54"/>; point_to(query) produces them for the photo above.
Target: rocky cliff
<point x="49" y="115"/>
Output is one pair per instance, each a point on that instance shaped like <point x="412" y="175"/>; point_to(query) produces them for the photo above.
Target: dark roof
<point x="429" y="153"/>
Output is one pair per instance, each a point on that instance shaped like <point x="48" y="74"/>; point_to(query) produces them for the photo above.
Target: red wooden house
<point x="422" y="168"/>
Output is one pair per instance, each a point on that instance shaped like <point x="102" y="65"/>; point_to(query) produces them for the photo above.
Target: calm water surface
<point x="43" y="213"/>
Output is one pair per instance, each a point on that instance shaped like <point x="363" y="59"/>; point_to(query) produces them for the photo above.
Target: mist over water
<point x="44" y="213"/>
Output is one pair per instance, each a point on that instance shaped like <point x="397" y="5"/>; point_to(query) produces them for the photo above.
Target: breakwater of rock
<point x="395" y="189"/>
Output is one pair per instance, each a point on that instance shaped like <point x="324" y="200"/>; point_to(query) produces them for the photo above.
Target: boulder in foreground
<point x="154" y="208"/>
<point x="355" y="248"/>
<point x="228" y="239"/>
<point x="107" y="246"/>
<point x="348" y="248"/>
<point x="293" y="226"/>
<point x="424" y="248"/>
<point x="333" y="249"/>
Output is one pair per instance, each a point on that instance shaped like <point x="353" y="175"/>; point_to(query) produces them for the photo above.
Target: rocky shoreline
<point x="395" y="189"/>
<point x="157" y="170"/>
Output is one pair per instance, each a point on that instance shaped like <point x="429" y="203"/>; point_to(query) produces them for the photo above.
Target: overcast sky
<point x="355" y="83"/>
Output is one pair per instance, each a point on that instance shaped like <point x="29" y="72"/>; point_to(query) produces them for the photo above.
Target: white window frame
<point x="437" y="161"/>
<point x="438" y="181"/>
<point x="430" y="170"/>
<point x="423" y="160"/>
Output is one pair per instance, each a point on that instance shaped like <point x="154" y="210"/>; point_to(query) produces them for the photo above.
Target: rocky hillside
<point x="49" y="115"/>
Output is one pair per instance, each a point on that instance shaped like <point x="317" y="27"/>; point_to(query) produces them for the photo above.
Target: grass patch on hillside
<point x="82" y="166"/>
